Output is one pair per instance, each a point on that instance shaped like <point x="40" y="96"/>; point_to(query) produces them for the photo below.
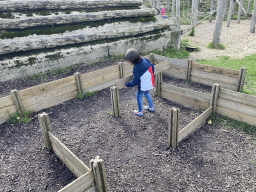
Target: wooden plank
<point x="120" y="84"/>
<point x="17" y="101"/>
<point x="161" y="67"/>
<point x="177" y="62"/>
<point x="186" y="92"/>
<point x="52" y="102"/>
<point x="3" y="120"/>
<point x="147" y="57"/>
<point x="183" y="100"/>
<point x="80" y="184"/>
<point x="6" y="101"/>
<point x="100" y="74"/>
<point x="236" y="115"/>
<point x="217" y="70"/>
<point x="100" y="86"/>
<point x="239" y="107"/>
<point x="238" y="97"/>
<point x="215" y="77"/>
<point x="241" y="82"/>
<point x="99" y="80"/>
<point x="211" y="82"/>
<point x="4" y="111"/>
<point x="39" y="89"/>
<point x="91" y="189"/>
<point x="195" y="124"/>
<point x="174" y="74"/>
<point x="45" y="96"/>
<point x="67" y="157"/>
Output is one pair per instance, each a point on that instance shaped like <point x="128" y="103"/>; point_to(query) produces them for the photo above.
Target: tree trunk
<point x="240" y="11"/>
<point x="253" y="20"/>
<point x="178" y="13"/>
<point x="218" y="24"/>
<point x="230" y="12"/>
<point x="249" y="6"/>
<point x="225" y="10"/>
<point x="188" y="8"/>
<point x="173" y="8"/>
<point x="194" y="12"/>
<point x="167" y="5"/>
<point x="211" y="10"/>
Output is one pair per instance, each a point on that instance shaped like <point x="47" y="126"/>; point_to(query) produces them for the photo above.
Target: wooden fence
<point x="89" y="179"/>
<point x="228" y="78"/>
<point x="53" y="93"/>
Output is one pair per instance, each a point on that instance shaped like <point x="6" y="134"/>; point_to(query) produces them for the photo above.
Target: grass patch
<point x="89" y="94"/>
<point x="231" y="123"/>
<point x="18" y="118"/>
<point x="80" y="96"/>
<point x="219" y="46"/>
<point x="192" y="32"/>
<point x="247" y="61"/>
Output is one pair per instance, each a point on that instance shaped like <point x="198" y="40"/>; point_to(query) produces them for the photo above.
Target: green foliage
<point x="142" y="19"/>
<point x="32" y="60"/>
<point x="6" y="15"/>
<point x="192" y="32"/>
<point x="89" y="94"/>
<point x="231" y="123"/>
<point x="79" y="96"/>
<point x="247" y="61"/>
<point x="110" y="113"/>
<point x="55" y="56"/>
<point x="18" y="118"/>
<point x="219" y="46"/>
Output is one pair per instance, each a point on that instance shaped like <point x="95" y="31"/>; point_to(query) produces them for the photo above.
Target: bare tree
<point x="194" y="12"/>
<point x="211" y="10"/>
<point x="231" y="8"/>
<point x="218" y="23"/>
<point x="249" y="6"/>
<point x="178" y="13"/>
<point x="225" y="10"/>
<point x="173" y="8"/>
<point x="240" y="11"/>
<point x="253" y="20"/>
<point x="168" y="5"/>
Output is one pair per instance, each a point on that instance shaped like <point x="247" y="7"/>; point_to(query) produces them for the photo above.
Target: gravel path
<point x="238" y="40"/>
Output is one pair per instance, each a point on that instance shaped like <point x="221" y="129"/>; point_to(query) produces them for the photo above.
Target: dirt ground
<point x="238" y="40"/>
<point x="134" y="148"/>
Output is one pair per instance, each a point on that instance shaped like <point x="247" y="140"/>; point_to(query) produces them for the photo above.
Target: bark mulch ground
<point x="134" y="148"/>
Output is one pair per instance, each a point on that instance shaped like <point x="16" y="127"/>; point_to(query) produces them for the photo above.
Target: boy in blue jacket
<point x="143" y="77"/>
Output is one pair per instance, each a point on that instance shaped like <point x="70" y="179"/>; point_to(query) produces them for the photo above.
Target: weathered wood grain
<point x="235" y="106"/>
<point x="236" y="115"/>
<point x="217" y="70"/>
<point x="186" y="92"/>
<point x="211" y="82"/>
<point x="46" y="87"/>
<point x="195" y="124"/>
<point x="49" y="95"/>
<point x="161" y="67"/>
<point x="4" y="111"/>
<point x="238" y="97"/>
<point x="177" y="62"/>
<point x="67" y="157"/>
<point x="175" y="74"/>
<point x="183" y="100"/>
<point x="215" y="77"/>
<point x="120" y="84"/>
<point x="6" y="101"/>
<point x="81" y="184"/>
<point x="52" y="102"/>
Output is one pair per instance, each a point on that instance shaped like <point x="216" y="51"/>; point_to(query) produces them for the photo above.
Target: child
<point x="162" y="11"/>
<point x="143" y="77"/>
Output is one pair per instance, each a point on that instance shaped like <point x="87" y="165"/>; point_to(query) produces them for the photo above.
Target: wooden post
<point x="79" y="83"/>
<point x="212" y="94"/>
<point x="17" y="101"/>
<point x="216" y="96"/>
<point x="173" y="127"/>
<point x="158" y="83"/>
<point x="121" y="69"/>
<point x="115" y="101"/>
<point x="189" y="66"/>
<point x="151" y="58"/>
<point x="45" y="127"/>
<point x="242" y="74"/>
<point x="98" y="168"/>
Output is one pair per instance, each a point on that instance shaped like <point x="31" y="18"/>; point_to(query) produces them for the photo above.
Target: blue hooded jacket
<point x="143" y="75"/>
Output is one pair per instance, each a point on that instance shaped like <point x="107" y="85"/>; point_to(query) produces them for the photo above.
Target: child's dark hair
<point x="133" y="56"/>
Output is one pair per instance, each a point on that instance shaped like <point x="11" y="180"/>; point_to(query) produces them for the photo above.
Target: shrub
<point x="218" y="46"/>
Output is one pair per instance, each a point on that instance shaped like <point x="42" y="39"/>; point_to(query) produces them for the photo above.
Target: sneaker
<point x="136" y="112"/>
<point x="151" y="109"/>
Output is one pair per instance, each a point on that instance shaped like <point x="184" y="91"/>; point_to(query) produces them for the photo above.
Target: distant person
<point x="143" y="77"/>
<point x="162" y="12"/>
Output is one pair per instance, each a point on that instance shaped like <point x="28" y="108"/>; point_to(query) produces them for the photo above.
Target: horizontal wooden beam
<point x="195" y="124"/>
<point x="82" y="183"/>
